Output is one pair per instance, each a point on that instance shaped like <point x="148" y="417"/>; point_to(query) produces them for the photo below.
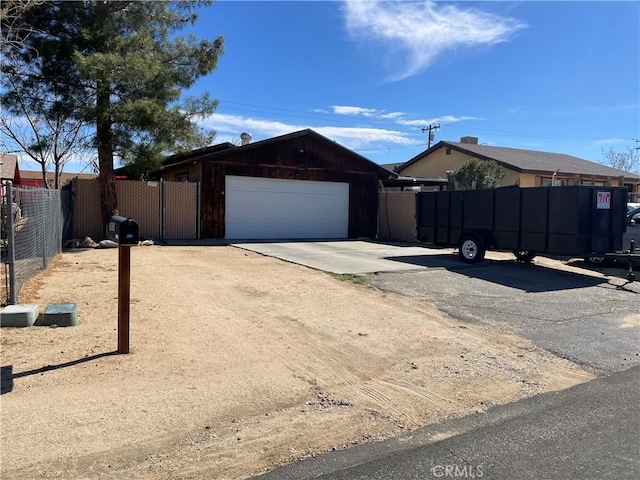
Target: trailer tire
<point x="470" y="248"/>
<point x="524" y="255"/>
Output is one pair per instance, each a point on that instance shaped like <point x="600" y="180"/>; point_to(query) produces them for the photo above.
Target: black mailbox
<point x="123" y="230"/>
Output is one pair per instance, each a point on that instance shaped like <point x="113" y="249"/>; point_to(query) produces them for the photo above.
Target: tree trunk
<point x="56" y="176"/>
<point x="106" y="177"/>
<point x="44" y="174"/>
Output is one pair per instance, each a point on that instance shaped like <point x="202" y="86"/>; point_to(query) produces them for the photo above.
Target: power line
<point x="367" y="121"/>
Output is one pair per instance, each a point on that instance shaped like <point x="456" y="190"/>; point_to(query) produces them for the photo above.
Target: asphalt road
<point x="588" y="432"/>
<point x="592" y="320"/>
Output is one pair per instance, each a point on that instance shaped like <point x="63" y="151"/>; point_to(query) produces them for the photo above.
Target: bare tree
<point x="628" y="161"/>
<point x="47" y="134"/>
<point x="37" y="121"/>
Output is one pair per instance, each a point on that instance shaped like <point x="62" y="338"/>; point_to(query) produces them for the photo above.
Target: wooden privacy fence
<point x="397" y="216"/>
<point x="163" y="210"/>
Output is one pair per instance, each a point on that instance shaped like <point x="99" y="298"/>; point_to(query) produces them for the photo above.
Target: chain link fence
<point x="37" y="222"/>
<point x="33" y="226"/>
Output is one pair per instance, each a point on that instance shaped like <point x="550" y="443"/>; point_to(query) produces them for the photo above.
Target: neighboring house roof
<point x="223" y="149"/>
<point x="529" y="161"/>
<point x="33" y="178"/>
<point x="392" y="166"/>
<point x="9" y="167"/>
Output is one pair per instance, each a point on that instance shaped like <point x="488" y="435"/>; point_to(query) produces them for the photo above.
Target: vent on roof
<point x="245" y="138"/>
<point x="470" y="140"/>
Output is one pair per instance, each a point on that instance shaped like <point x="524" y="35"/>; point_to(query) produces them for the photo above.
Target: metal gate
<point x="163" y="210"/>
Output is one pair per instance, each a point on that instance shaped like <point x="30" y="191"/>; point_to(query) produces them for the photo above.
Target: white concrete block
<point x="18" y="315"/>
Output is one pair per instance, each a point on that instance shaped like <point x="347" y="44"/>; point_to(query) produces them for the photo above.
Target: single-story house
<point x="527" y="168"/>
<point x="32" y="178"/>
<point x="300" y="185"/>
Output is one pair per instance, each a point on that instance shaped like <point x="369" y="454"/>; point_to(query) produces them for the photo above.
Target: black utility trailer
<point x="575" y="221"/>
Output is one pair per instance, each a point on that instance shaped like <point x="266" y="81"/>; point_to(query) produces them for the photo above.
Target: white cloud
<point x="418" y="32"/>
<point x="236" y="124"/>
<point x="366" y="112"/>
<point x="347" y="110"/>
<point x="229" y="128"/>
<point x="355" y="138"/>
<point x="444" y="119"/>
<point x="391" y="115"/>
<point x="611" y="141"/>
<point x="398" y="117"/>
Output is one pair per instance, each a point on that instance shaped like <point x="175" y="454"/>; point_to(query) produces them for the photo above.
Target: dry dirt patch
<point x="239" y="363"/>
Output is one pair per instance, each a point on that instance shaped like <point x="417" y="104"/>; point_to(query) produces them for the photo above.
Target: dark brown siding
<point x="300" y="158"/>
<point x="363" y="206"/>
<point x="212" y="200"/>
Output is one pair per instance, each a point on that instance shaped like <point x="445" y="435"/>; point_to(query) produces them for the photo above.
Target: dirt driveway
<point x="239" y="363"/>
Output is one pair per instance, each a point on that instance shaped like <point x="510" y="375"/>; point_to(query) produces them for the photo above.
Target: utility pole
<point x="431" y="129"/>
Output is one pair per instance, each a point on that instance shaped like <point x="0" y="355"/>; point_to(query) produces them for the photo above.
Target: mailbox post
<point x="123" y="231"/>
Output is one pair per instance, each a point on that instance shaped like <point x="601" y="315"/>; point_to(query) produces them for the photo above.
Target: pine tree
<point x="122" y="68"/>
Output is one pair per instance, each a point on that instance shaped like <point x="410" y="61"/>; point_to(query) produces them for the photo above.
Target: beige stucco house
<point x="526" y="168"/>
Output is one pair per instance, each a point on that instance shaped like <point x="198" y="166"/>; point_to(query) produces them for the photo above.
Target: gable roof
<point x="392" y="166"/>
<point x="31" y="178"/>
<point x="220" y="150"/>
<point x="196" y="154"/>
<point x="9" y="169"/>
<point x="528" y="161"/>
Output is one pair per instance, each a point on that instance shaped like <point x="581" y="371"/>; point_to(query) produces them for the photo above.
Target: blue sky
<point x="542" y="75"/>
<point x="553" y="76"/>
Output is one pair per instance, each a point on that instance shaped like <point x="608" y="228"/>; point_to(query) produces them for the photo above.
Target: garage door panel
<point x="276" y="208"/>
<point x="269" y="200"/>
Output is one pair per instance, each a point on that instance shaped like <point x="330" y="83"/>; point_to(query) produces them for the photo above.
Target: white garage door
<point x="261" y="208"/>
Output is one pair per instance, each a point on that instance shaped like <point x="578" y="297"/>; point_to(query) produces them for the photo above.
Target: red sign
<point x="604" y="200"/>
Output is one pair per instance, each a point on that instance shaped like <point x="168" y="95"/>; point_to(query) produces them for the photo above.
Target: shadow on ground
<point x="529" y="277"/>
<point x="7" y="375"/>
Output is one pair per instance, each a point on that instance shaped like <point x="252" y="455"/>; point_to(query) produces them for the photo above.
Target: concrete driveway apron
<point x="354" y="256"/>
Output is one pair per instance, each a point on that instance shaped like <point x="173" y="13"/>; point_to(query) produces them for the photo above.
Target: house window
<point x="597" y="183"/>
<point x="182" y="177"/>
<point x="557" y="182"/>
<point x="448" y="151"/>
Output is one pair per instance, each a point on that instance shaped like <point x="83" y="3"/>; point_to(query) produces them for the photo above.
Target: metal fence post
<point x="11" y="251"/>
<point x="43" y="232"/>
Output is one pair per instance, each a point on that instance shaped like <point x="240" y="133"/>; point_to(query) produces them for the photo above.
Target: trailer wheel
<point x="524" y="255"/>
<point x="470" y="248"/>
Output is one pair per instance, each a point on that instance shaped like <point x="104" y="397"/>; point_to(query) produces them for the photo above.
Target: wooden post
<point x="124" y="296"/>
